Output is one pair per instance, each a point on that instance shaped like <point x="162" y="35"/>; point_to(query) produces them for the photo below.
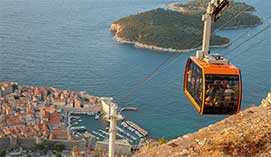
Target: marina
<point x="126" y="130"/>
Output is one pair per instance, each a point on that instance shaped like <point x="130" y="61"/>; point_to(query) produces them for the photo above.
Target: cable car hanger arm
<point x="213" y="13"/>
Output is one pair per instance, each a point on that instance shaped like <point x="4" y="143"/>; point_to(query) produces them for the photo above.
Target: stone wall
<point x="29" y="143"/>
<point x="120" y="147"/>
<point x="4" y="142"/>
<point x="94" y="108"/>
<point x="26" y="142"/>
<point x="81" y="144"/>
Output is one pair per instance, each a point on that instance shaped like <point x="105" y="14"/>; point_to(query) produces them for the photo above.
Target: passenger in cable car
<point x="221" y="93"/>
<point x="228" y="94"/>
<point x="209" y="95"/>
<point x="199" y="89"/>
<point x="189" y="76"/>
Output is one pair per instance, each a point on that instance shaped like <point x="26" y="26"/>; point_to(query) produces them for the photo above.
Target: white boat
<point x="133" y="137"/>
<point x="130" y="128"/>
<point x="97" y="116"/>
<point x="104" y="132"/>
<point x="80" y="128"/>
<point x="98" y="134"/>
<point x="138" y="134"/>
<point x="120" y="130"/>
<point x="119" y="135"/>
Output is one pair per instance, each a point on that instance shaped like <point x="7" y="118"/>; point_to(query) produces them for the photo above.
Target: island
<point x="178" y="28"/>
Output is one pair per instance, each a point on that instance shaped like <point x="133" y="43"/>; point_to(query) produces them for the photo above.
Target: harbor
<point x="126" y="130"/>
<point x="79" y="120"/>
<point x="123" y="133"/>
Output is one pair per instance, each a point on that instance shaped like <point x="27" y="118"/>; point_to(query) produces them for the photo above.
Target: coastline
<point x="116" y="28"/>
<point x="241" y="26"/>
<point x="173" y="7"/>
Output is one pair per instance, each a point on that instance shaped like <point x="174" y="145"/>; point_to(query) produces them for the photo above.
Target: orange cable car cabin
<point x="213" y="88"/>
<point x="211" y="82"/>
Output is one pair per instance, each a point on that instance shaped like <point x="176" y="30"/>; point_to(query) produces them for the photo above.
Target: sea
<point x="67" y="44"/>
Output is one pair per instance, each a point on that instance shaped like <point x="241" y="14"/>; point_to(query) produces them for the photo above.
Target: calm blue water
<point x="67" y="44"/>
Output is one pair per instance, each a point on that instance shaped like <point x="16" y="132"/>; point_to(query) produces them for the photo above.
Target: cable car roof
<point x="216" y="68"/>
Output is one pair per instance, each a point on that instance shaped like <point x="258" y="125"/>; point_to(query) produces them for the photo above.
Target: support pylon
<point x="112" y="130"/>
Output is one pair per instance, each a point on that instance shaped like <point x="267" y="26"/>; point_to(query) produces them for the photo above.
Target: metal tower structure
<point x="213" y="13"/>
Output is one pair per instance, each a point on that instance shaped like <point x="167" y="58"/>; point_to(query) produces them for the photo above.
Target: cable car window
<point x="221" y="95"/>
<point x="194" y="82"/>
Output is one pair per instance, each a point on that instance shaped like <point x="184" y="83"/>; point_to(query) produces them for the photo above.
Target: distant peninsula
<point x="179" y="27"/>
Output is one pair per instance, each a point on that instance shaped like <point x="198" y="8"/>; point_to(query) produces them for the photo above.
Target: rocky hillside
<point x="247" y="133"/>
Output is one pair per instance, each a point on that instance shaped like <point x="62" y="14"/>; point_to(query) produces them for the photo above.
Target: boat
<point x="138" y="134"/>
<point x="78" y="128"/>
<point x="97" y="116"/>
<point x="119" y="135"/>
<point x="133" y="137"/>
<point x="98" y="134"/>
<point x="104" y="132"/>
<point x="120" y="130"/>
